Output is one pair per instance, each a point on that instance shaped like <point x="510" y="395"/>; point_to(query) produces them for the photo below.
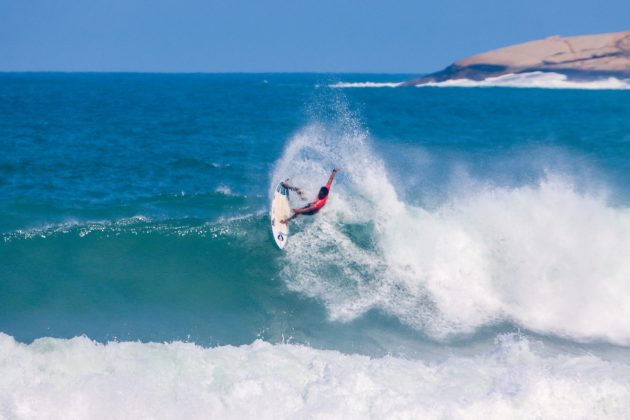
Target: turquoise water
<point x="134" y="208"/>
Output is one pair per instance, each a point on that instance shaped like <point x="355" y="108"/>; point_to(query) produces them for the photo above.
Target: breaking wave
<point x="544" y="256"/>
<point x="341" y="85"/>
<point x="537" y="79"/>
<point x="541" y="80"/>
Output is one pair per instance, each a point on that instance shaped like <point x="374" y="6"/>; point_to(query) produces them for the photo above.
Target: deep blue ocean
<point x="473" y="257"/>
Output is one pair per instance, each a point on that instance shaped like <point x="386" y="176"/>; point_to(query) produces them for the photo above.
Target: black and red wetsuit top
<point x="318" y="204"/>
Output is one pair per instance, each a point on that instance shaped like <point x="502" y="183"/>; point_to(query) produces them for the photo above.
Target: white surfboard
<point x="280" y="210"/>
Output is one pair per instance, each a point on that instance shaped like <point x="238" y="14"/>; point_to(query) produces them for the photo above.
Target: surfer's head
<point x="323" y="192"/>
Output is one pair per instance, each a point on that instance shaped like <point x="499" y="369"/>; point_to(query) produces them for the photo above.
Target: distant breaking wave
<point x="538" y="80"/>
<point x="364" y="85"/>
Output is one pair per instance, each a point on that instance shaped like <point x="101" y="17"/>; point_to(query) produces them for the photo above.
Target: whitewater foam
<point x="80" y="378"/>
<point x="225" y="190"/>
<point x="536" y="79"/>
<point x="546" y="256"/>
<point x="542" y="80"/>
<point x="345" y="85"/>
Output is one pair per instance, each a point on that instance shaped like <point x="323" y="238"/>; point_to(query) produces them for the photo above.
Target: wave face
<point x="80" y="378"/>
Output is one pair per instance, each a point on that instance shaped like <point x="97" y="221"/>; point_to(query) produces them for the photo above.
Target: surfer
<point x="311" y="208"/>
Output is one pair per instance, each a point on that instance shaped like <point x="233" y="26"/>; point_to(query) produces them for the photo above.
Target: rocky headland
<point x="585" y="57"/>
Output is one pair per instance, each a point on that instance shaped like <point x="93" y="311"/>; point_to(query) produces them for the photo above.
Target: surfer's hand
<point x="337" y="170"/>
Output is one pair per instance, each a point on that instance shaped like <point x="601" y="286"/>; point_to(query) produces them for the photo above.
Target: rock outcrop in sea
<point x="585" y="57"/>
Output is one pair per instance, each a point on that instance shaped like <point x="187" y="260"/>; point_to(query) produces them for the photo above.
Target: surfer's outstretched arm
<point x="333" y="174"/>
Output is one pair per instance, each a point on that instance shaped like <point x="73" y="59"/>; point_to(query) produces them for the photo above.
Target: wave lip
<point x="537" y="79"/>
<point x="80" y="378"/>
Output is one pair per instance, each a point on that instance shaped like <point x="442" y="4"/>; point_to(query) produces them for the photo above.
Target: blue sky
<point x="281" y="35"/>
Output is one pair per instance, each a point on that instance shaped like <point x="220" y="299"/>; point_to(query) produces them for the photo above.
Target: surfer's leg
<point x="305" y="211"/>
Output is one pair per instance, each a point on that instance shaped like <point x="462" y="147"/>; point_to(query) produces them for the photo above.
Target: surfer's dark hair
<point x="323" y="192"/>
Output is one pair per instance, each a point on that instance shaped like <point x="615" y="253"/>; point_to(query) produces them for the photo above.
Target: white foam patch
<point x="537" y="79"/>
<point x="346" y="85"/>
<point x="542" y="80"/>
<point x="225" y="190"/>
<point x="543" y="256"/>
<point x="80" y="378"/>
